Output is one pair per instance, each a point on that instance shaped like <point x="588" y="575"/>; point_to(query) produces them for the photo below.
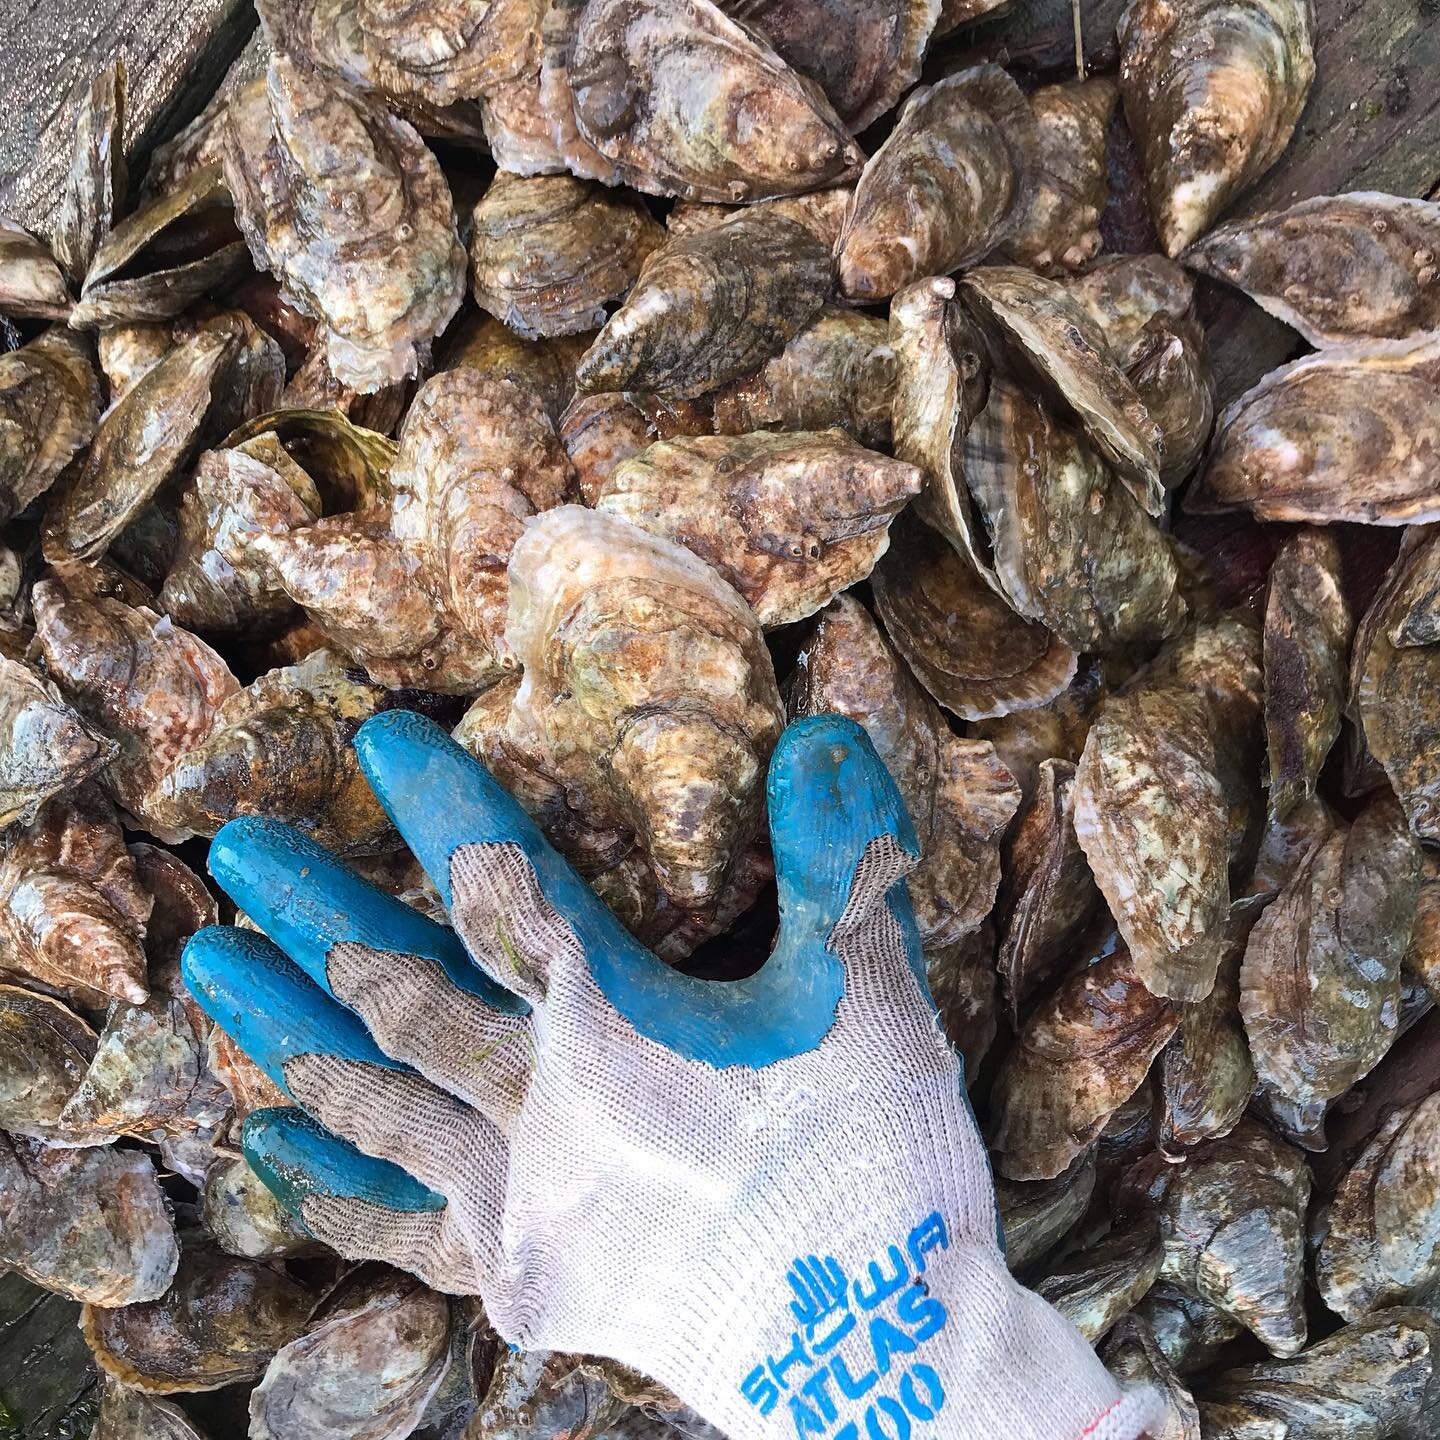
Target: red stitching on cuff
<point x="1095" y="1424"/>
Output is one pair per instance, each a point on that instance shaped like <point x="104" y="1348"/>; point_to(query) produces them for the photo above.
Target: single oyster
<point x="249" y="1086"/>
<point x="32" y="286"/>
<point x="599" y="433"/>
<point x="45" y="1052"/>
<point x="789" y="520"/>
<point x="1351" y="433"/>
<point x="1095" y="1287"/>
<point x="1123" y="294"/>
<point x="1035" y="1215"/>
<point x="1078" y="1058"/>
<point x="1307" y="636"/>
<point x="127" y="1414"/>
<point x="961" y="976"/>
<point x="1336" y="267"/>
<point x="545" y="368"/>
<point x="622" y="635"/>
<point x="49" y="408"/>
<point x="959" y="795"/>
<point x="547" y="254"/>
<point x="252" y="374"/>
<point x="1189" y="1332"/>
<point x="366" y="244"/>
<point x="219" y="1324"/>
<point x="73" y="912"/>
<point x="967" y="647"/>
<point x="1072" y="547"/>
<point x="1025" y="739"/>
<point x="546" y="1392"/>
<point x="1134" y="1357"/>
<point x="349" y="465"/>
<point x="1170" y="371"/>
<point x="917" y="211"/>
<point x="90" y="1224"/>
<point x="1052" y="344"/>
<point x="710" y="307"/>
<point x="45" y="747"/>
<point x="99" y="177"/>
<point x="1060" y="228"/>
<point x="1320" y="985"/>
<point x="821" y="211"/>
<point x="838" y="371"/>
<point x="243" y="1217"/>
<point x="1232" y="1218"/>
<point x="151" y="687"/>
<point x="374" y="1353"/>
<point x="1366" y="1382"/>
<point x="281" y="747"/>
<point x="1213" y="90"/>
<point x="1377" y="1241"/>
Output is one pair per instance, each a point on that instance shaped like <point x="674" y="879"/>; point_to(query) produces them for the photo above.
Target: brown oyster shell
<point x="968" y="648"/>
<point x="45" y="1051"/>
<point x="1320" y="984"/>
<point x="710" y="307"/>
<point x="599" y="433"/>
<point x="917" y="212"/>
<point x="1123" y="294"/>
<point x="1365" y="1382"/>
<point x="314" y="387"/>
<point x="138" y="679"/>
<point x="1133" y="1355"/>
<point x="545" y="368"/>
<point x="127" y="1414"/>
<point x="1081" y="1054"/>
<point x="98" y="179"/>
<point x="1307" y="638"/>
<point x="622" y="635"/>
<point x="1170" y="370"/>
<point x="789" y="520"/>
<point x="1336" y="267"/>
<point x="1422" y="960"/>
<point x="32" y="286"/>
<point x="1232" y="1218"/>
<point x="249" y="1086"/>
<point x="960" y="797"/>
<point x="1212" y="90"/>
<point x="1350" y="433"/>
<point x="219" y="1324"/>
<point x="1025" y="739"/>
<point x="349" y="464"/>
<point x="1060" y="228"/>
<point x="821" y="211"/>
<point x="243" y="1217"/>
<point x="1052" y="343"/>
<point x="547" y="254"/>
<point x="1035" y="1215"/>
<point x="1072" y="547"/>
<point x="961" y="976"/>
<point x="73" y="912"/>
<point x="1095" y="1287"/>
<point x="546" y="1392"/>
<point x="368" y="246"/>
<point x="91" y="1224"/>
<point x="1189" y="1332"/>
<point x="49" y="408"/>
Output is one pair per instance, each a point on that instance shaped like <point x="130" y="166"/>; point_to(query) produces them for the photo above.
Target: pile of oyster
<point x="613" y="380"/>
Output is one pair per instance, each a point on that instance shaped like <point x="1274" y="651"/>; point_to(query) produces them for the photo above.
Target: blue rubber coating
<point x="268" y="1006"/>
<point x="298" y="1158"/>
<point x="307" y="901"/>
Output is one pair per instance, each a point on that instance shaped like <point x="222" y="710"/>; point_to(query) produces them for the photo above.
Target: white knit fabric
<point x="807" y="1248"/>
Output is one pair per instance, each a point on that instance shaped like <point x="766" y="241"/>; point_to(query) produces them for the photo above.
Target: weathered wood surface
<point x="175" y="52"/>
<point x="47" y="1379"/>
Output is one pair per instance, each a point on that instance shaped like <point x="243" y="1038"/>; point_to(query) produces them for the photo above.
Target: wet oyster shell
<point x="349" y="465"/>
<point x="45" y="1051"/>
<point x="368" y="246"/>
<point x="547" y="1392"/>
<point x="49" y="408"/>
<point x="1170" y="371"/>
<point x="710" y="307"/>
<point x="1307" y="639"/>
<point x="1320" y="984"/>
<point x="98" y="180"/>
<point x="1025" y="739"/>
<point x="547" y="254"/>
<point x="968" y="648"/>
<point x="1035" y="1215"/>
<point x="249" y="1086"/>
<point x="90" y="1224"/>
<point x="1213" y="90"/>
<point x="1351" y="433"/>
<point x="244" y="1218"/>
<point x="127" y="1414"/>
<point x="1189" y="1332"/>
<point x="1365" y="1382"/>
<point x="545" y="368"/>
<point x="821" y="211"/>
<point x="600" y="432"/>
<point x="1422" y="960"/>
<point x="1081" y="1054"/>
<point x="789" y="520"/>
<point x="1134" y="1357"/>
<point x="219" y="1324"/>
<point x="1060" y="228"/>
<point x="961" y="976"/>
<point x="32" y="286"/>
<point x="314" y="387"/>
<point x="1124" y="294"/>
<point x="1095" y="1287"/>
<point x="917" y="212"/>
<point x="373" y="1355"/>
<point x="1052" y="343"/>
<point x="1336" y="267"/>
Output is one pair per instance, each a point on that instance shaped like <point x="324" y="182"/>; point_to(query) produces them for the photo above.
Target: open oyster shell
<point x="789" y="520"/>
<point x="1213" y="90"/>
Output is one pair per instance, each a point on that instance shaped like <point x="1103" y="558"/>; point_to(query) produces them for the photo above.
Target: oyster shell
<point x="1035" y="1215"/>
<point x="1422" y="960"/>
<point x="1170" y="371"/>
<point x="1336" y="267"/>
<point x="1320" y="984"/>
<point x="1307" y="637"/>
<point x="600" y="432"/>
<point x="1123" y="294"/>
<point x="1189" y="1332"/>
<point x="1095" y="1287"/>
<point x="1134" y="1357"/>
<point x="916" y="211"/>
<point x="32" y="286"/>
<point x="314" y="387"/>
<point x="127" y="1414"/>
<point x="1081" y="1054"/>
<point x="967" y="647"/>
<point x="547" y="1392"/>
<point x="45" y="1052"/>
<point x="249" y="1086"/>
<point x="789" y="520"/>
<point x="350" y="465"/>
<point x="961" y="976"/>
<point x="1024" y="739"/>
<point x="547" y="254"/>
<point x="375" y="1352"/>
<point x="244" y="1218"/>
<point x="1213" y="90"/>
<point x="99" y="175"/>
<point x="218" y="1324"/>
<point x="710" y="307"/>
<point x="544" y="368"/>
<point x="1346" y="434"/>
<point x="1060" y="227"/>
<point x="367" y="246"/>
<point x="49" y="408"/>
<point x="821" y="211"/>
<point x="90" y="1224"/>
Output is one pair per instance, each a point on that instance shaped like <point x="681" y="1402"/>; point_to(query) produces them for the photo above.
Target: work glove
<point x="768" y="1194"/>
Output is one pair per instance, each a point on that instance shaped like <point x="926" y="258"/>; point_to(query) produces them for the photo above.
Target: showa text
<point x="858" y="1345"/>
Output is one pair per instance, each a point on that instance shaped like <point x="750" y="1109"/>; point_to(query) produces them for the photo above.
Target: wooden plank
<point x="175" y="52"/>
